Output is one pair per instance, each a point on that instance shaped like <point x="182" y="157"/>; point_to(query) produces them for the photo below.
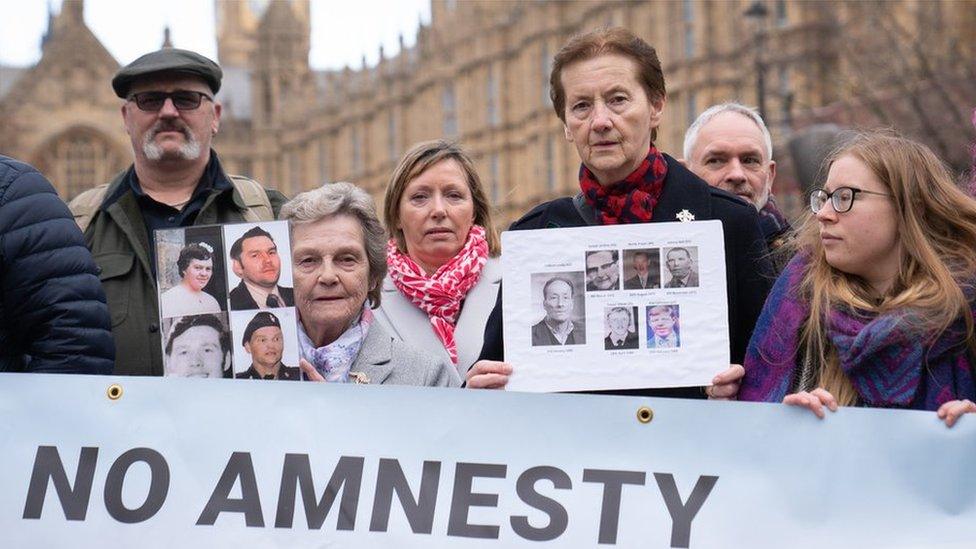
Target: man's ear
<point x="215" y="125"/>
<point x="247" y="347"/>
<point x="567" y="133"/>
<point x="772" y="173"/>
<point x="238" y="269"/>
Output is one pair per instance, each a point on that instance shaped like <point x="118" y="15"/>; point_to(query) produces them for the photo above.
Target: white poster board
<point x="615" y="307"/>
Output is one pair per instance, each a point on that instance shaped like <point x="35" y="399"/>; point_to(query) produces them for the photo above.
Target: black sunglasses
<point x="183" y="100"/>
<point x="841" y="199"/>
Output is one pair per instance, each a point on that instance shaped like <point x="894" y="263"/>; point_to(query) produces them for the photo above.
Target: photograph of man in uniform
<point x="264" y="341"/>
<point x="646" y="266"/>
<point x="602" y="271"/>
<point x="255" y="260"/>
<point x="681" y="265"/>
<point x="558" y="326"/>
<point x="662" y="327"/>
<point x="197" y="346"/>
<point x="621" y="329"/>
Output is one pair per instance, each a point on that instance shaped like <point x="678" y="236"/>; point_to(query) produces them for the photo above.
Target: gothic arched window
<point x="78" y="160"/>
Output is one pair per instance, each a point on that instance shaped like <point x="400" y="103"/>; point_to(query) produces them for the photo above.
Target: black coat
<point x="747" y="269"/>
<point x="53" y="316"/>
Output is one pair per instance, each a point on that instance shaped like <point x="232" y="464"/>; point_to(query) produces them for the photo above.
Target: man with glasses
<point x="171" y="115"/>
<point x="602" y="272"/>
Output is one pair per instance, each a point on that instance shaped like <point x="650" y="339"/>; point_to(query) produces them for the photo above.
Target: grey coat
<point x="399" y="316"/>
<point x="385" y="360"/>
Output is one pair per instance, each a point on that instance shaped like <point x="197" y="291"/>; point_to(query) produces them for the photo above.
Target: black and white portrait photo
<point x="563" y="319"/>
<point x="621" y="328"/>
<point x="681" y="267"/>
<point x="602" y="270"/>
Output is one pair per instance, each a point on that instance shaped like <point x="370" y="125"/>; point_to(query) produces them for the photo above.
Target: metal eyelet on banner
<point x="645" y="414"/>
<point x="114" y="391"/>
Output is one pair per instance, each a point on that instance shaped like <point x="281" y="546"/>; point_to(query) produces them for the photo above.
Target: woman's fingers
<point x="725" y="386"/>
<point x="954" y="409"/>
<point x="311" y="373"/>
<point x="825" y="398"/>
<point x="488" y="374"/>
<point x="814" y="401"/>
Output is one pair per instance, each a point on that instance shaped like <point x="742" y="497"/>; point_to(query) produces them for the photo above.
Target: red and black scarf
<point x="631" y="200"/>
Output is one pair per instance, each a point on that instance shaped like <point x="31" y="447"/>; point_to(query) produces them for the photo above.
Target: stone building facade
<point x="478" y="73"/>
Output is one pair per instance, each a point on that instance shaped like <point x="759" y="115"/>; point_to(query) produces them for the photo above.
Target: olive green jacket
<point x="117" y="238"/>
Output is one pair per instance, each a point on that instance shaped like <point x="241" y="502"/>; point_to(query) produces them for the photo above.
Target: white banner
<point x="214" y="463"/>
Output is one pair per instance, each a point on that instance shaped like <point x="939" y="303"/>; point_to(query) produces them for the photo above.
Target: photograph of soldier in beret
<point x="266" y="345"/>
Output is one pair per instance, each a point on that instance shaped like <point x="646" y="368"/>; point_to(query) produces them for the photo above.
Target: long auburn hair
<point x="936" y="224"/>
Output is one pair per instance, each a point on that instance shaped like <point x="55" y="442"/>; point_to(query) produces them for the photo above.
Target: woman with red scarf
<point x="607" y="88"/>
<point x="442" y="256"/>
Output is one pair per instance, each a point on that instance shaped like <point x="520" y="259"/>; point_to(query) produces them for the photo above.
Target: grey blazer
<point x="384" y="360"/>
<point x="406" y="321"/>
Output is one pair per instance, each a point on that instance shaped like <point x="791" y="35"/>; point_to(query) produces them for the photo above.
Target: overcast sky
<point x="342" y="30"/>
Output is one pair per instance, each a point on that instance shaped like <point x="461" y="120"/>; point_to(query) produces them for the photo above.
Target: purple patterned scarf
<point x="882" y="355"/>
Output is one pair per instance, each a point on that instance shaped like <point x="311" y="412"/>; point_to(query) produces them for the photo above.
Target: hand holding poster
<point x="615" y="307"/>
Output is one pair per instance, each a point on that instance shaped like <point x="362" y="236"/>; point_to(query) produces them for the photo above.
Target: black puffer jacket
<point x="53" y="316"/>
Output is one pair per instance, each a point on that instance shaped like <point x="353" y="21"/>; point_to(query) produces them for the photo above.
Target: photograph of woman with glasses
<point x="877" y="307"/>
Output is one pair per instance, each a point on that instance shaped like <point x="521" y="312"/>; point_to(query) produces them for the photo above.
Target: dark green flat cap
<point x="167" y="60"/>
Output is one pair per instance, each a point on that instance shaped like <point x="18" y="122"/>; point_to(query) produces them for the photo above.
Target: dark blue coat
<point x="53" y="316"/>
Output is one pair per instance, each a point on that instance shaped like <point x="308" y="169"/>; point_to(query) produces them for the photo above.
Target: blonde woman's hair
<point x="419" y="159"/>
<point x="936" y="225"/>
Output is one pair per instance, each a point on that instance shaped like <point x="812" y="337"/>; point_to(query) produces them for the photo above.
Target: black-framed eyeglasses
<point x="841" y="199"/>
<point x="183" y="100"/>
<point x="604" y="267"/>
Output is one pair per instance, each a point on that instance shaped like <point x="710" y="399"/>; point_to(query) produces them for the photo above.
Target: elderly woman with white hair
<point x="339" y="255"/>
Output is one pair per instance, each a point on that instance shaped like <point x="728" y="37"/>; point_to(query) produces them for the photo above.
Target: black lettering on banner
<point x="158" y="485"/>
<point x="419" y="512"/>
<point x="558" y="518"/>
<point x="239" y="466"/>
<point x="683" y="513"/>
<point x="48" y="466"/>
<point x="462" y="500"/>
<point x="297" y="472"/>
<point x="613" y="482"/>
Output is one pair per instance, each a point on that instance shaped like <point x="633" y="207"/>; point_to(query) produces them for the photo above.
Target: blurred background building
<point x="478" y="73"/>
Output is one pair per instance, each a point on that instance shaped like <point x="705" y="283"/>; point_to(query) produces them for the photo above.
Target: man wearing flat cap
<point x="263" y="341"/>
<point x="171" y="115"/>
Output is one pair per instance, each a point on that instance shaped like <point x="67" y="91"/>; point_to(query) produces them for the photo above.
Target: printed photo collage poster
<point x="615" y="307"/>
<point x="227" y="301"/>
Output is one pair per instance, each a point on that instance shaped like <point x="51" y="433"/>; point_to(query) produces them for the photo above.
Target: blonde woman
<point x="442" y="257"/>
<point x="877" y="308"/>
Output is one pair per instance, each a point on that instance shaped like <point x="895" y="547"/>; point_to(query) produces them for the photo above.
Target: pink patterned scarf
<point x="440" y="294"/>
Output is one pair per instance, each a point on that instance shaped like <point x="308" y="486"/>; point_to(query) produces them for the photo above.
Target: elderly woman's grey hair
<point x="334" y="199"/>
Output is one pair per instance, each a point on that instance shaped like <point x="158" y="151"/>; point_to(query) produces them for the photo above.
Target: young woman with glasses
<point x="877" y="308"/>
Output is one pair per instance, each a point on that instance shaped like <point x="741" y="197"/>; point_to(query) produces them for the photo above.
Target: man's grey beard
<point x="187" y="151"/>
